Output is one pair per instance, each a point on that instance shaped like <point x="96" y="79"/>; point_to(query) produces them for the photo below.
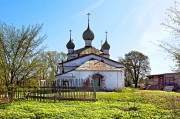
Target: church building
<point x="91" y="64"/>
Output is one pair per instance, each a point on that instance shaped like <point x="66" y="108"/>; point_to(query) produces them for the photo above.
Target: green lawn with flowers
<point x="126" y="104"/>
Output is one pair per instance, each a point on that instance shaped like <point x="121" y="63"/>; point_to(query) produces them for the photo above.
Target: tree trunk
<point x="135" y="84"/>
<point x="10" y="95"/>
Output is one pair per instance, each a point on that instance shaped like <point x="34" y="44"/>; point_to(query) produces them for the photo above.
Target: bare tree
<point x="172" y="25"/>
<point x="19" y="49"/>
<point x="137" y="66"/>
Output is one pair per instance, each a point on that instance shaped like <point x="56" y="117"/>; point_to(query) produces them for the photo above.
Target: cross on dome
<point x="88" y="19"/>
<point x="106" y="45"/>
<point x="106" y="35"/>
<point x="70" y="44"/>
<point x="88" y="34"/>
<point x="88" y="15"/>
<point x="70" y="33"/>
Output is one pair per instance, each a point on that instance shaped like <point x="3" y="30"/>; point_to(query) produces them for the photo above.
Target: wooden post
<point x="94" y="93"/>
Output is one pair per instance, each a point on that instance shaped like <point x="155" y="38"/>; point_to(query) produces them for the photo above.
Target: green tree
<point x="136" y="67"/>
<point x="19" y="49"/>
<point x="127" y="76"/>
<point x="49" y="61"/>
<point x="172" y="25"/>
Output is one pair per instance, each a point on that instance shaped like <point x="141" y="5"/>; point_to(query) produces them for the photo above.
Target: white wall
<point x="113" y="79"/>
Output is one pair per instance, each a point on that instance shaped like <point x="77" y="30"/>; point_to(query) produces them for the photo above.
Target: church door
<point x="97" y="80"/>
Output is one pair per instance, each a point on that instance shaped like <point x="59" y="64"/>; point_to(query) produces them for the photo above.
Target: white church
<point x="91" y="64"/>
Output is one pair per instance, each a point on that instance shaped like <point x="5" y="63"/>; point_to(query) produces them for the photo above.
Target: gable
<point x="81" y="60"/>
<point x="96" y="65"/>
<point x="75" y="63"/>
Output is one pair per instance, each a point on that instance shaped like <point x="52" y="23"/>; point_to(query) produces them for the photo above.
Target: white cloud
<point x="159" y="60"/>
<point x="153" y="31"/>
<point x="149" y="39"/>
<point x="95" y="5"/>
<point x="90" y="8"/>
<point x="126" y="17"/>
<point x="144" y="11"/>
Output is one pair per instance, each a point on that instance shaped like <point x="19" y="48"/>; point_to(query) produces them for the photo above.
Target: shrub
<point x="118" y="90"/>
<point x="142" y="87"/>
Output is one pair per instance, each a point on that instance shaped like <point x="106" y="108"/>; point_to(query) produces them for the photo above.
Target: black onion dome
<point x="106" y="46"/>
<point x="88" y="34"/>
<point x="70" y="45"/>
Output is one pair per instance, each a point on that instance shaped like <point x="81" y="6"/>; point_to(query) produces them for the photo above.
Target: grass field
<point x="128" y="104"/>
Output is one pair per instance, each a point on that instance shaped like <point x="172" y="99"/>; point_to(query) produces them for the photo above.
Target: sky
<point x="131" y="25"/>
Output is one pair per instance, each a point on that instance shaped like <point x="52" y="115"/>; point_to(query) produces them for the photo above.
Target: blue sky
<point x="131" y="24"/>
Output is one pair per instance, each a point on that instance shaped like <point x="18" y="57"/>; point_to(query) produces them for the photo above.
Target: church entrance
<point x="97" y="80"/>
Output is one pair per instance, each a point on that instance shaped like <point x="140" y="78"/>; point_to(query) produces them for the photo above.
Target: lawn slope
<point x="130" y="103"/>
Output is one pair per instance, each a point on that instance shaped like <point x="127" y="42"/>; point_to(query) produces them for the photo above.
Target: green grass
<point x="128" y="104"/>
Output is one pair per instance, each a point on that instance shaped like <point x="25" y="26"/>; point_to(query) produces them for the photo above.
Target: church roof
<point x="103" y="58"/>
<point x="88" y="50"/>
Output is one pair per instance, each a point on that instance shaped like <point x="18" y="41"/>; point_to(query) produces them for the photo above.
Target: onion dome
<point x="106" y="45"/>
<point x="70" y="44"/>
<point x="88" y="33"/>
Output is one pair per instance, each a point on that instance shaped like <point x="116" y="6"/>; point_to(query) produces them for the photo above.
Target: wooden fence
<point x="63" y="89"/>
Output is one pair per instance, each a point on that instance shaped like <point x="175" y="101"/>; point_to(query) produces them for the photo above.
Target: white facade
<point x="111" y="79"/>
<point x="111" y="73"/>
